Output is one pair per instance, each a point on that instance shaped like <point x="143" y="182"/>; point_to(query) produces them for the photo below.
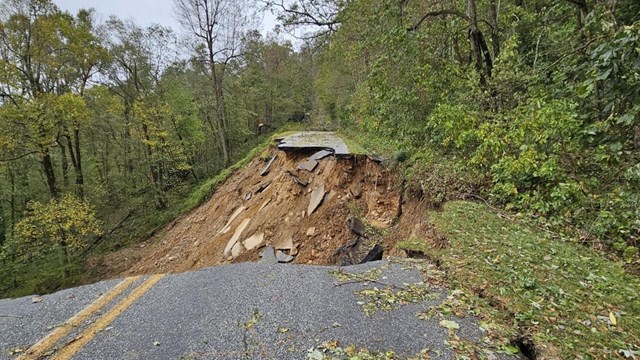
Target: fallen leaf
<point x="613" y="319"/>
<point x="283" y="330"/>
<point x="36" y="299"/>
<point x="451" y="325"/>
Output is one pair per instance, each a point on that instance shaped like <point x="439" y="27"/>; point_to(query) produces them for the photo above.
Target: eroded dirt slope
<point x="275" y="213"/>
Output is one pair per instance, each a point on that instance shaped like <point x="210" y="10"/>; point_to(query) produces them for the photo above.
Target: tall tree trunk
<point x="494" y="11"/>
<point x="64" y="162"/>
<point x="78" y="163"/>
<point x="154" y="176"/>
<point x="47" y="167"/>
<point x="3" y="225"/>
<point x="480" y="51"/>
<point x="220" y="113"/>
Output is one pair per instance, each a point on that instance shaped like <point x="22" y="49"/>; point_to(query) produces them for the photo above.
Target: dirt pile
<point x="332" y="212"/>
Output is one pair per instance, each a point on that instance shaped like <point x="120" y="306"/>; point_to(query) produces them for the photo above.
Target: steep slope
<point x="272" y="210"/>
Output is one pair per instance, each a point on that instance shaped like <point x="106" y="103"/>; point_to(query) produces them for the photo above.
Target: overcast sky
<point x="143" y="12"/>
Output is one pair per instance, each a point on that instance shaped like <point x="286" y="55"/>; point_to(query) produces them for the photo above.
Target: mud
<point x="277" y="208"/>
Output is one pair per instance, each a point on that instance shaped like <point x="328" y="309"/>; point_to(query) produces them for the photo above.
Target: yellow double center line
<point x="44" y="346"/>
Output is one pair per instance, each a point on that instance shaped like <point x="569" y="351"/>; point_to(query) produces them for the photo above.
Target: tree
<point x="217" y="26"/>
<point x="65" y="224"/>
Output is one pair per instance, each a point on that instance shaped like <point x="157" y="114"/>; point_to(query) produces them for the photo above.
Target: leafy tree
<point x="63" y="224"/>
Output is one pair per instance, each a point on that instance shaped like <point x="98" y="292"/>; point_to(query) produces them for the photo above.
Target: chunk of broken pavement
<point x="309" y="165"/>
<point x="317" y="196"/>
<point x="320" y="155"/>
<point x="267" y="256"/>
<point x="283" y="258"/>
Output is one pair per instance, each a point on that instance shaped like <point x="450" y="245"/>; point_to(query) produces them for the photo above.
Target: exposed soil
<point x="355" y="186"/>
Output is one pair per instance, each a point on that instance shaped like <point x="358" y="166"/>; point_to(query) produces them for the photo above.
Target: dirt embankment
<point x="251" y="211"/>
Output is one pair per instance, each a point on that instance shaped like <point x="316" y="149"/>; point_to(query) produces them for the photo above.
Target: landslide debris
<point x="338" y="212"/>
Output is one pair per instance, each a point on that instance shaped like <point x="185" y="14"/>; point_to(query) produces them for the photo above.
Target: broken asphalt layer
<point x="248" y="310"/>
<point x="310" y="140"/>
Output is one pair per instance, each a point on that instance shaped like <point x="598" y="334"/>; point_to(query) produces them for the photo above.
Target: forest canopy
<point x="530" y="105"/>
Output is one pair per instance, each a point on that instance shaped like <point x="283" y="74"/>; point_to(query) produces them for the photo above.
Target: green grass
<point x="571" y="299"/>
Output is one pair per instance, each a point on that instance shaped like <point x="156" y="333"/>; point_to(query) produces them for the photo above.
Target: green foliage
<point x="551" y="133"/>
<point x="565" y="295"/>
<point x="66" y="222"/>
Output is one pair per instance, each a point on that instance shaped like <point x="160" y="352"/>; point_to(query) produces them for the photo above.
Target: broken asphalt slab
<point x="248" y="310"/>
<point x="314" y="140"/>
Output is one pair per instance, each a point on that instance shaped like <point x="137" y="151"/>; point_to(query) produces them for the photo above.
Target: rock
<point x="317" y="196"/>
<point x="264" y="204"/>
<point x="236" y="250"/>
<point x="285" y="244"/>
<point x="234" y="239"/>
<point x="374" y="254"/>
<point x="235" y="214"/>
<point x="267" y="256"/>
<point x="297" y="180"/>
<point x="263" y="187"/>
<point x="308" y="165"/>
<point x="247" y="196"/>
<point x="267" y="168"/>
<point x="284" y="258"/>
<point x="356" y="225"/>
<point x="254" y="241"/>
<point x="311" y="231"/>
<point x="36" y="299"/>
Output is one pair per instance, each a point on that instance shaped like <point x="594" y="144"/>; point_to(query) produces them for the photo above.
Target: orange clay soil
<point x="354" y="186"/>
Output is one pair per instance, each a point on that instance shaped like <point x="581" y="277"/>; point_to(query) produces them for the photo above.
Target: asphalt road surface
<point x="240" y="311"/>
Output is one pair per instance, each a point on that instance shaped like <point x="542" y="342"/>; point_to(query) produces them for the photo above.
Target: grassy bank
<point x="570" y="300"/>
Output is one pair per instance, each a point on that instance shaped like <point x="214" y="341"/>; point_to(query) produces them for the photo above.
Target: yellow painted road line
<point x="43" y="346"/>
<point x="90" y="332"/>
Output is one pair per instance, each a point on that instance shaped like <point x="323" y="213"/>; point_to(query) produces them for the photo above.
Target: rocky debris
<point x="320" y="155"/>
<point x="236" y="236"/>
<point x="235" y="214"/>
<point x="236" y="250"/>
<point x="247" y="196"/>
<point x="254" y="241"/>
<point x="373" y="255"/>
<point x="285" y="244"/>
<point x="267" y="168"/>
<point x="308" y="165"/>
<point x="311" y="231"/>
<point x="356" y="226"/>
<point x="362" y="249"/>
<point x="283" y="258"/>
<point x="297" y="180"/>
<point x="264" y="205"/>
<point x="268" y="256"/>
<point x="317" y="196"/>
<point x="356" y="191"/>
<point x="262" y="187"/>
